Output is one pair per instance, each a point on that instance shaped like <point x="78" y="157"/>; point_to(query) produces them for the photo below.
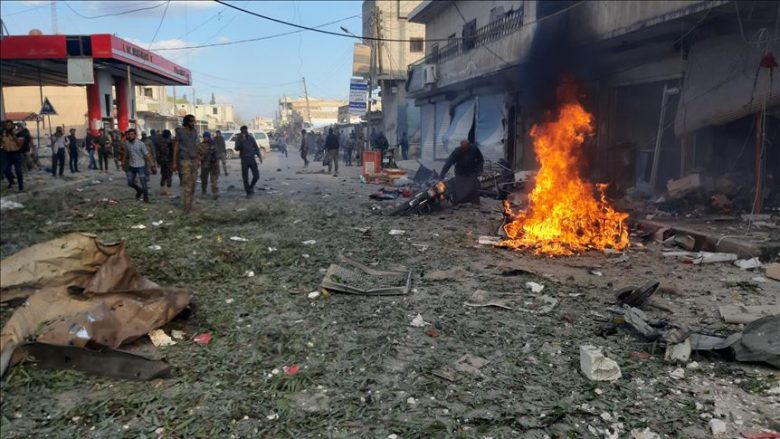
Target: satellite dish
<point x="35" y="32"/>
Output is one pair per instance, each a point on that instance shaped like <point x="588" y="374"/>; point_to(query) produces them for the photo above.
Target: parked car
<point x="230" y="142"/>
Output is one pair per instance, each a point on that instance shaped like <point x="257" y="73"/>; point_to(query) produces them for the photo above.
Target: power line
<point x="390" y="40"/>
<point x="113" y="14"/>
<point x="165" y="11"/>
<point x="27" y="10"/>
<point x="267" y="37"/>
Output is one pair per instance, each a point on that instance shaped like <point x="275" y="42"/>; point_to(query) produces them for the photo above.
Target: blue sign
<point x="358" y="96"/>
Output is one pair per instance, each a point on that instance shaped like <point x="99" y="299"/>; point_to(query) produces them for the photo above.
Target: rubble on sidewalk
<point x="597" y="367"/>
<point x="82" y="293"/>
<point x="773" y="271"/>
<point x="352" y="277"/>
<point x="747" y="313"/>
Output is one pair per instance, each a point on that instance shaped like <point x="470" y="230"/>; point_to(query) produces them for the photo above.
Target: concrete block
<point x="678" y="353"/>
<point x="596" y="367"/>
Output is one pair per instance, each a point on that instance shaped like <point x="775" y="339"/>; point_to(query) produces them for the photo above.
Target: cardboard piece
<point x="103" y="302"/>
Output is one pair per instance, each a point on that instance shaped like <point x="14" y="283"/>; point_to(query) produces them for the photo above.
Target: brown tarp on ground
<point x="81" y="293"/>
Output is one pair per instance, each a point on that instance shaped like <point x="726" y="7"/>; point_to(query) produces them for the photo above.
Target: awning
<point x="491" y="119"/>
<point x="460" y="125"/>
<point x="724" y="81"/>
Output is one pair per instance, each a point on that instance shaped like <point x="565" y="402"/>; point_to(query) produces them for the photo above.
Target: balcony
<point x="475" y="54"/>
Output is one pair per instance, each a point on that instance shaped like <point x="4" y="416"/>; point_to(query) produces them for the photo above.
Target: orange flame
<point x="564" y="215"/>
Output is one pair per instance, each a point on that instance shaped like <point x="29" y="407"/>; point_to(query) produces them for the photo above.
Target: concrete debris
<point x="396" y="232"/>
<point x="596" y="367"/>
<point x="687" y="242"/>
<point x="679" y="352"/>
<point x="177" y="334"/>
<point x="644" y="434"/>
<point x="470" y="364"/>
<point x="680" y="187"/>
<point x="419" y="322"/>
<point x="773" y="271"/>
<point x="717" y="427"/>
<point x="748" y="264"/>
<point x="697" y="258"/>
<point x="678" y="373"/>
<point x="160" y="338"/>
<point x="534" y="287"/>
<point x="747" y="314"/>
<point x="543" y="305"/>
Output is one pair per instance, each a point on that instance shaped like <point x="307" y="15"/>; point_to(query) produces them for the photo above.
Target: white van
<point x="230" y="142"/>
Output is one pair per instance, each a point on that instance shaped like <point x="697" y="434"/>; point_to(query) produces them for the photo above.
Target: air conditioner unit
<point x="429" y="74"/>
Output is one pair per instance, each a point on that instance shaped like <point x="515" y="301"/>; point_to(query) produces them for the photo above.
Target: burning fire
<point x="566" y="214"/>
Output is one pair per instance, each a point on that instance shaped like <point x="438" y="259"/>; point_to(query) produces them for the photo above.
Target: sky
<point x="252" y="76"/>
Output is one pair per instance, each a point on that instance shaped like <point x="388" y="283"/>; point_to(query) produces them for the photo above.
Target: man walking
<point x="103" y="144"/>
<point x="404" y="146"/>
<point x="248" y="149"/>
<point x="219" y="142"/>
<point x="304" y="149"/>
<point x="332" y="148"/>
<point x="57" y="152"/>
<point x="349" y="148"/>
<point x="12" y="155"/>
<point x="185" y="156"/>
<point x="164" y="155"/>
<point x="209" y="165"/>
<point x="136" y="161"/>
<point x="73" y="152"/>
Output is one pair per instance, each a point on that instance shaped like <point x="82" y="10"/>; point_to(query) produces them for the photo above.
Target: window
<point x="214" y="110"/>
<point x="469" y="35"/>
<point x="148" y="92"/>
<point x="415" y="45"/>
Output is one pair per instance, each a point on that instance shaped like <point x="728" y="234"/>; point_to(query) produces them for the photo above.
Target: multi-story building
<point x="389" y="20"/>
<point x="314" y="113"/>
<point x="491" y="69"/>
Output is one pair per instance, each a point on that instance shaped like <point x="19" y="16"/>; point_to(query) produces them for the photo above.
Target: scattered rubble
<point x="596" y="367"/>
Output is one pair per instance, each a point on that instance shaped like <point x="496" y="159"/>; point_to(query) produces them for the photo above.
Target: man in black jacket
<point x="332" y="148"/>
<point x="247" y="149"/>
<point x="468" y="162"/>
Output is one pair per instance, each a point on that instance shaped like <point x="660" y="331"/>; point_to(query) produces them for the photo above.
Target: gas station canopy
<point x="61" y="60"/>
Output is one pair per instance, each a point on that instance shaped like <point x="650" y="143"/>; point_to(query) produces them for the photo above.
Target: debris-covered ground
<point x="365" y="370"/>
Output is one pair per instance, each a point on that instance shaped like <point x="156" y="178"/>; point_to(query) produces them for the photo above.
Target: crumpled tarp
<point x="81" y="292"/>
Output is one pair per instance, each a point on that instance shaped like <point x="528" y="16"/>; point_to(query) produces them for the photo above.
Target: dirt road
<point x="365" y="371"/>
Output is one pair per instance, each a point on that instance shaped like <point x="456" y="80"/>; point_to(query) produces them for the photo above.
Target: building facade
<point x="311" y="113"/>
<point x="491" y="70"/>
<point x="390" y="20"/>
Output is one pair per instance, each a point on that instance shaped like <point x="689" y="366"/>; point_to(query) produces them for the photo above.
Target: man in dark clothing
<point x="247" y="149"/>
<point x="163" y="151"/>
<point x="89" y="146"/>
<point x="11" y="149"/>
<point x="103" y="149"/>
<point x="332" y="147"/>
<point x="349" y="148"/>
<point x="304" y="149"/>
<point x="404" y="146"/>
<point x="219" y="143"/>
<point x="73" y="152"/>
<point x="468" y="162"/>
<point x="57" y="152"/>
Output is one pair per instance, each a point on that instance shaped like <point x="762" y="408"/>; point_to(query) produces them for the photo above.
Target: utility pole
<point x="54" y="27"/>
<point x="306" y="95"/>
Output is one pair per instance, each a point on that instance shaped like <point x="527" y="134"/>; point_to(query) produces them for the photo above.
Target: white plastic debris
<point x="6" y="204"/>
<point x="411" y="401"/>
<point x="595" y="366"/>
<point x="488" y="240"/>
<point x="644" y="434"/>
<point x="229" y="301"/>
<point x="396" y="232"/>
<point x="198" y="236"/>
<point x="679" y="352"/>
<point x="157" y="223"/>
<point x="534" y="287"/>
<point x="313" y="295"/>
<point x="297" y="221"/>
<point x="305" y="256"/>
<point x="678" y="373"/>
<point x="154" y="247"/>
<point x="748" y="264"/>
<point x="138" y="227"/>
<point x="160" y="338"/>
<point x="309" y="242"/>
<point x="249" y="273"/>
<point x="419" y="322"/>
<point x="272" y="249"/>
<point x="272" y="416"/>
<point x="596" y="273"/>
<point x="238" y="238"/>
<point x="717" y="427"/>
<point x="177" y="335"/>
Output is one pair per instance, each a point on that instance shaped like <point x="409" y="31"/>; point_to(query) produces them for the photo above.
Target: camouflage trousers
<point x="189" y="177"/>
<point x="206" y="171"/>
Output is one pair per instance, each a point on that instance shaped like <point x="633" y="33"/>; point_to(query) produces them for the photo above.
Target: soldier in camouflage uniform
<point x="104" y="149"/>
<point x="209" y="164"/>
<point x="118" y="144"/>
<point x="185" y="156"/>
<point x="164" y="155"/>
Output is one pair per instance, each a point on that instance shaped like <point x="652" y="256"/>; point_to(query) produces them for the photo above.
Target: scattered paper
<point x="178" y="335"/>
<point x="229" y="301"/>
<point x="309" y="242"/>
<point x="396" y="232"/>
<point x="291" y="369"/>
<point x="419" y="322"/>
<point x="157" y="223"/>
<point x="204" y="338"/>
<point x="748" y="264"/>
<point x="249" y="273"/>
<point x="160" y="338"/>
<point x="488" y="240"/>
<point x="272" y="249"/>
<point x="138" y="226"/>
<point x="238" y="238"/>
<point x="154" y="247"/>
<point x="313" y="295"/>
<point x="535" y="287"/>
